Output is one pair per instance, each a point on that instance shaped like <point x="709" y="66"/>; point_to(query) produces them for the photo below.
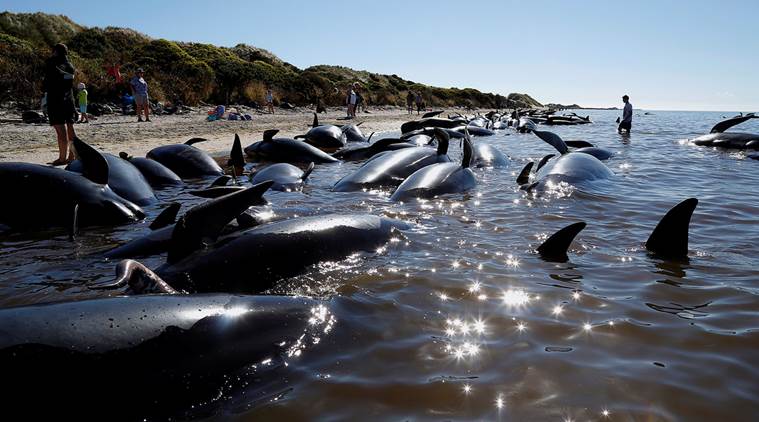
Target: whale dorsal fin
<point x="369" y="139"/>
<point x="727" y="124"/>
<point x="670" y="237"/>
<point x="308" y="171"/>
<point x="466" y="160"/>
<point x="206" y="220"/>
<point x="235" y="157"/>
<point x="221" y="181"/>
<point x="431" y="114"/>
<point x="442" y="141"/>
<point x="578" y="144"/>
<point x="194" y="141"/>
<point x="316" y="121"/>
<point x="552" y="139"/>
<point x="524" y="175"/>
<point x="543" y="161"/>
<point x="94" y="165"/>
<point x="166" y="217"/>
<point x="269" y="134"/>
<point x="555" y="247"/>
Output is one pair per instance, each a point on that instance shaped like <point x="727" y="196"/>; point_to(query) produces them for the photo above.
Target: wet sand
<point x="35" y="143"/>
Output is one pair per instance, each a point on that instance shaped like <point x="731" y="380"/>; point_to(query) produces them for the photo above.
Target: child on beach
<point x="82" y="99"/>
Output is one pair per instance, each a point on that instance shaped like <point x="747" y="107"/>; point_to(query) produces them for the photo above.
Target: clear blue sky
<point x="681" y="55"/>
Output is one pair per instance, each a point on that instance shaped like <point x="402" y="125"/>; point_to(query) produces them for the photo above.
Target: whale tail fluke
<point x="524" y="175"/>
<point x="466" y="160"/>
<point x="139" y="279"/>
<point x="167" y="217"/>
<point x="669" y="239"/>
<point x="94" y="165"/>
<point x="555" y="247"/>
<point x="727" y="124"/>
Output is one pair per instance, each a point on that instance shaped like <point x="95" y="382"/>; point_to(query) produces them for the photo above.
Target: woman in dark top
<point x="59" y="79"/>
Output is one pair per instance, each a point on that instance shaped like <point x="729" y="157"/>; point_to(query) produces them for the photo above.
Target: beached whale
<point x="41" y="196"/>
<point x="486" y="155"/>
<point x="569" y="167"/>
<point x="154" y="172"/>
<point x="353" y="133"/>
<point x="253" y="260"/>
<point x="393" y="167"/>
<point x="733" y="140"/>
<point x="430" y="122"/>
<point x="154" y="357"/>
<point x="286" y="150"/>
<point x="368" y="151"/>
<point x="439" y="179"/>
<point x="327" y="137"/>
<point x="123" y="177"/>
<point x="185" y="160"/>
<point x="286" y="177"/>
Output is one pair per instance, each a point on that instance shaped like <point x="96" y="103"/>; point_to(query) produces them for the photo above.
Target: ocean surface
<point x="460" y="319"/>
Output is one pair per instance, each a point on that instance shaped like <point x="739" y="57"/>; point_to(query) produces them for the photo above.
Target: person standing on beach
<point x="410" y="102"/>
<point x="58" y="84"/>
<point x="140" y="94"/>
<point x="81" y="97"/>
<point x="352" y="99"/>
<point x="269" y="100"/>
<point x="627" y="116"/>
<point x="419" y="103"/>
<point x="359" y="99"/>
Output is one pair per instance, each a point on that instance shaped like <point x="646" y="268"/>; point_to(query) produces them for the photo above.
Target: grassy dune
<point x="193" y="72"/>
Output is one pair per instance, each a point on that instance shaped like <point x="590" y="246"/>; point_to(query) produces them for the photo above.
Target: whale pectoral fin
<point x="94" y="165"/>
<point x="124" y="156"/>
<point x="369" y="139"/>
<point x="166" y="217"/>
<point x="139" y="279"/>
<point x="543" y="161"/>
<point x="555" y="247"/>
<point x="74" y="221"/>
<point x="307" y="172"/>
<point x="524" y="175"/>
<point x="670" y="237"/>
<point x="236" y="157"/>
<point x="193" y="141"/>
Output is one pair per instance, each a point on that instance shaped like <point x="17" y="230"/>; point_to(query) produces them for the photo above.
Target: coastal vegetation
<point x="194" y="72"/>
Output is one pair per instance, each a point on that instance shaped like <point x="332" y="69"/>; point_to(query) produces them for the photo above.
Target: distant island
<point x="194" y="73"/>
<point x="554" y="106"/>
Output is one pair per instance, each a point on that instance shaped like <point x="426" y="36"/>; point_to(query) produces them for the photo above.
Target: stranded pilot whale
<point x="161" y="354"/>
<point x="187" y="161"/>
<point x="439" y="179"/>
<point x="329" y="137"/>
<point x="123" y="177"/>
<point x="393" y="167"/>
<point x="286" y="150"/>
<point x="228" y="265"/>
<point x="736" y="140"/>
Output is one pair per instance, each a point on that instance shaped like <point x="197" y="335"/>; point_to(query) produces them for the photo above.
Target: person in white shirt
<point x="627" y="116"/>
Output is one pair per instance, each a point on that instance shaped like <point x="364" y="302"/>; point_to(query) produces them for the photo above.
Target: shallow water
<point x="462" y="320"/>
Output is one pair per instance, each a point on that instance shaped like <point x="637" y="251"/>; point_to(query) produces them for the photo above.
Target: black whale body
<point x="154" y="357"/>
<point x="124" y="178"/>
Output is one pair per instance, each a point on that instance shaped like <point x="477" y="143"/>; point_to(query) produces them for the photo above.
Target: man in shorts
<point x="140" y="94"/>
<point x="627" y="116"/>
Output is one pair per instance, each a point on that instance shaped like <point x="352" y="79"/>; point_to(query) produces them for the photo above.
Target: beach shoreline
<point x="35" y="143"/>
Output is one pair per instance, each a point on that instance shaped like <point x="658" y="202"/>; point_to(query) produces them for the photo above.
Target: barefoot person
<point x="627" y="116"/>
<point x="58" y="82"/>
<point x="269" y="100"/>
<point x="410" y="102"/>
<point x="140" y="94"/>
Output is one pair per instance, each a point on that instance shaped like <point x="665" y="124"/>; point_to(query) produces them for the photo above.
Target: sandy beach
<point x="35" y="143"/>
